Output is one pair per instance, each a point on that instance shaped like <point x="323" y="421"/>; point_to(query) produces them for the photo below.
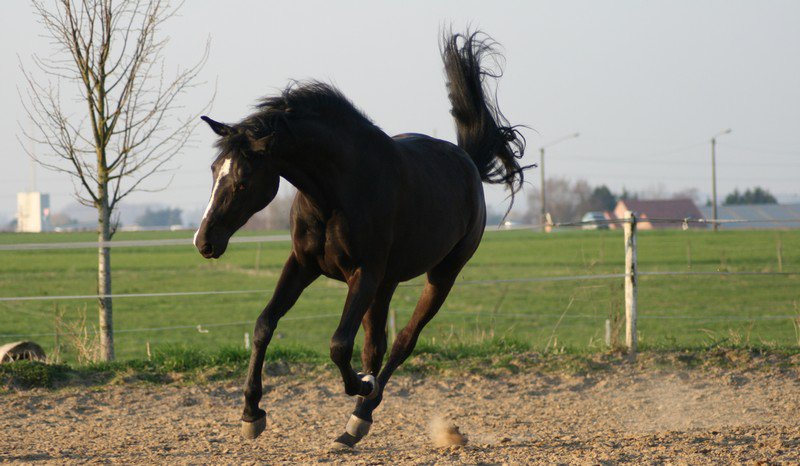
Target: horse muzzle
<point x="210" y="245"/>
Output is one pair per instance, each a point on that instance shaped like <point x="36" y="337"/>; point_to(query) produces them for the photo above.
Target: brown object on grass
<point x="21" y="350"/>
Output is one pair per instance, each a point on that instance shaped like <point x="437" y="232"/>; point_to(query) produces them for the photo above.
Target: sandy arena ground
<point x="620" y="416"/>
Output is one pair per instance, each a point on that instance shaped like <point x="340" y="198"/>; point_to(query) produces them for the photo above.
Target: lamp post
<point x="543" y="216"/>
<point x="714" y="176"/>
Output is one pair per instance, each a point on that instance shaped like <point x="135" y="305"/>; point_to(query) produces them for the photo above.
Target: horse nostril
<point x="207" y="249"/>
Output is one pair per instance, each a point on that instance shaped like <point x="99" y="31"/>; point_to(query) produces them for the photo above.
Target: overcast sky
<point x="645" y="83"/>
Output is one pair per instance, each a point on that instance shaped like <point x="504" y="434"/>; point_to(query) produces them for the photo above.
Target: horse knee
<point x="262" y="331"/>
<point x="341" y="350"/>
<point x="403" y="339"/>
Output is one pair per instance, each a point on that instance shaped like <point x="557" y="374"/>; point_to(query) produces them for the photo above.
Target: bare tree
<point x="276" y="216"/>
<point x="110" y="54"/>
<point x="566" y="200"/>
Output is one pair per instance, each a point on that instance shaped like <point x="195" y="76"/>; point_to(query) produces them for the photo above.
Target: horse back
<point x="438" y="178"/>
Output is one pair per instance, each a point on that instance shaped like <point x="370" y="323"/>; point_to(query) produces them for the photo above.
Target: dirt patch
<point x="619" y="416"/>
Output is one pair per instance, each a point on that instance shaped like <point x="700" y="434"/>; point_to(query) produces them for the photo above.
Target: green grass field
<point x="675" y="311"/>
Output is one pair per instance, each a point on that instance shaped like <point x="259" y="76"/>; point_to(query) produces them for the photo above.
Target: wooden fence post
<point x="57" y="324"/>
<point x="631" y="283"/>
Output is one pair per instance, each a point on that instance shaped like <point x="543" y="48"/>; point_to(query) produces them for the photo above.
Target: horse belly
<point x="417" y="250"/>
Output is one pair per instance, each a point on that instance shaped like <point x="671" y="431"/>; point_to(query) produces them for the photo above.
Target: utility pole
<point x="714" y="176"/>
<point x="543" y="214"/>
<point x="715" y="226"/>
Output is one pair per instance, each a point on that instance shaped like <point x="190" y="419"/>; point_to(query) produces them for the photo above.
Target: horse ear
<point x="261" y="144"/>
<point x="220" y="128"/>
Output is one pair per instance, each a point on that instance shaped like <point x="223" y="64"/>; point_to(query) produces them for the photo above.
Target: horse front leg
<point x="294" y="279"/>
<point x="433" y="296"/>
<point x="363" y="287"/>
<point x="374" y="324"/>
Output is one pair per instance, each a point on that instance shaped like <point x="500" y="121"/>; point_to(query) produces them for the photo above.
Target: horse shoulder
<point x="334" y="242"/>
<point x="308" y="231"/>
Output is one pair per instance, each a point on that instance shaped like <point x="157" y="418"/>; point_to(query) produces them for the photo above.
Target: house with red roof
<point x="667" y="209"/>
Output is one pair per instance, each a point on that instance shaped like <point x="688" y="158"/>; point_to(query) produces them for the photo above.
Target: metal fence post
<point x="631" y="282"/>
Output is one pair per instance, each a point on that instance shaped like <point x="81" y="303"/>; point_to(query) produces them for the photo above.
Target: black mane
<point x="311" y="99"/>
<point x="300" y="100"/>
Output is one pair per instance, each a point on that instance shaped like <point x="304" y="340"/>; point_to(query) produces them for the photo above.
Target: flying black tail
<point x="483" y="132"/>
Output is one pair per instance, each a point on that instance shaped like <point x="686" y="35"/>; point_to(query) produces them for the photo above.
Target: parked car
<point x="598" y="217"/>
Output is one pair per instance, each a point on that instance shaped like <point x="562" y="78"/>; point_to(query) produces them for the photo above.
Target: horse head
<point x="245" y="181"/>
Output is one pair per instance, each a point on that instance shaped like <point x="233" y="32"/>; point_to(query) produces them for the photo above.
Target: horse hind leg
<point x="433" y="296"/>
<point x="374" y="324"/>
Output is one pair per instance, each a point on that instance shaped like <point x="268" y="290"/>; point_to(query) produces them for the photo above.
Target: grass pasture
<point x="676" y="312"/>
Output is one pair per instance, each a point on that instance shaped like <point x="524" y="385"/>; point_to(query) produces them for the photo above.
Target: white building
<point x="33" y="212"/>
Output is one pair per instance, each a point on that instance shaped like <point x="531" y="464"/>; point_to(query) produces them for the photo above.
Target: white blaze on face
<point x="223" y="172"/>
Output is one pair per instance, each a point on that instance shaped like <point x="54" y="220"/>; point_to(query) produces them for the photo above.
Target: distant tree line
<point x="568" y="200"/>
<point x="160" y="217"/>
<point x="757" y="195"/>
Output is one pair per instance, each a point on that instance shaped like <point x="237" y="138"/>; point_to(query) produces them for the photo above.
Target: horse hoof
<point x="339" y="447"/>
<point x="251" y="430"/>
<point x="370" y="379"/>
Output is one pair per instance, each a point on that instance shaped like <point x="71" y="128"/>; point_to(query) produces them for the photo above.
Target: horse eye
<point x="240" y="187"/>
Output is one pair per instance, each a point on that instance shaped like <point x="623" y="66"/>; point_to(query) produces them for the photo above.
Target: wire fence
<point x="201" y="328"/>
<point x="133" y="243"/>
<point x="685" y="222"/>
<point x="738" y="315"/>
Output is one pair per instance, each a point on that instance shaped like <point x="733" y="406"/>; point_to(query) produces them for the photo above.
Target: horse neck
<point x="319" y="159"/>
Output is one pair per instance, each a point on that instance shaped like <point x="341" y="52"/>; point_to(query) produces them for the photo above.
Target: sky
<point x="646" y="84"/>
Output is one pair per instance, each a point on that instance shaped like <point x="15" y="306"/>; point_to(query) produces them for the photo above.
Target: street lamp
<point x="714" y="175"/>
<point x="543" y="217"/>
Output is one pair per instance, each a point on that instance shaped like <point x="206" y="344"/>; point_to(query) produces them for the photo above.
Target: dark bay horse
<point x="371" y="211"/>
